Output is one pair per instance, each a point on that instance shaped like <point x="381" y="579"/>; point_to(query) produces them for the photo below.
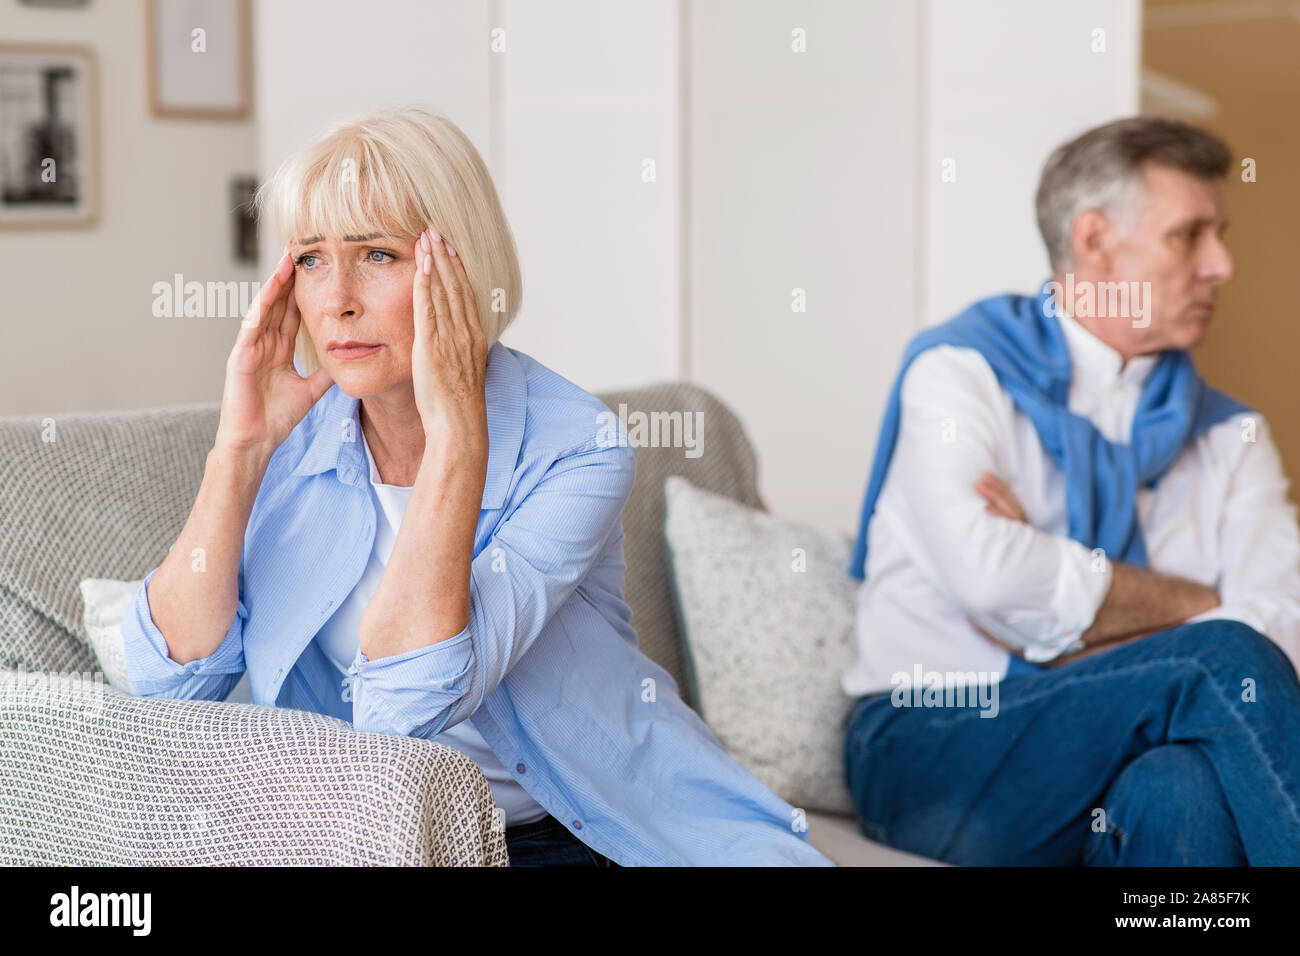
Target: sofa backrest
<point x="725" y="464"/>
<point x="104" y="495"/>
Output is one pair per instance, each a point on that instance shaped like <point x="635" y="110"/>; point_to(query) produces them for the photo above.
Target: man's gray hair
<point x="1102" y="169"/>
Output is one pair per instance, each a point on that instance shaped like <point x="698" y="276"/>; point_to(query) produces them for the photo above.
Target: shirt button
<point x="521" y="768"/>
<point x="577" y="824"/>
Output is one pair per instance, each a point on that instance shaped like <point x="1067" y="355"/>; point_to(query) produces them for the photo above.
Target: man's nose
<point x="1218" y="264"/>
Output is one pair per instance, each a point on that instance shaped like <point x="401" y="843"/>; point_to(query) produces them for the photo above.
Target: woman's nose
<point x="340" y="290"/>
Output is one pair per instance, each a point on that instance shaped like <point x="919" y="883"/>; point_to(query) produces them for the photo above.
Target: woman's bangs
<point x="350" y="194"/>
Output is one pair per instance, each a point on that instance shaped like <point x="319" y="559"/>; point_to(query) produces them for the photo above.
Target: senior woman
<point x="417" y="529"/>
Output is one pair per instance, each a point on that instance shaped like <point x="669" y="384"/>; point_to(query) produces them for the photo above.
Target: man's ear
<point x="1090" y="235"/>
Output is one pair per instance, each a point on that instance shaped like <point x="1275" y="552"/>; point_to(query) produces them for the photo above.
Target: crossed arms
<point x="1035" y="592"/>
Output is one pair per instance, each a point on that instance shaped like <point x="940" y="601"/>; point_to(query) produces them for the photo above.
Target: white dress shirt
<point x="936" y="560"/>
<point x="340" y="637"/>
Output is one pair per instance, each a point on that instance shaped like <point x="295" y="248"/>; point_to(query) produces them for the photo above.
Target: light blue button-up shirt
<point x="547" y="669"/>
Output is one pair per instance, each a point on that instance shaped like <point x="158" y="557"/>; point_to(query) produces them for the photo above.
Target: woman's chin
<point x="358" y="382"/>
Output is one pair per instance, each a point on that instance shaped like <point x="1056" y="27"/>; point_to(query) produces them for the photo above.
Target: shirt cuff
<point x="1081" y="586"/>
<point x="151" y="670"/>
<point x="413" y="693"/>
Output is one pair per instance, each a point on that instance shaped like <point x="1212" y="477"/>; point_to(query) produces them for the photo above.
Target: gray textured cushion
<point x="104" y="499"/>
<point x="768" y="611"/>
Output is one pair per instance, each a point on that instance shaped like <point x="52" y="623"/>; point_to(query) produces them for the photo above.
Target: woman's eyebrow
<point x="366" y="238"/>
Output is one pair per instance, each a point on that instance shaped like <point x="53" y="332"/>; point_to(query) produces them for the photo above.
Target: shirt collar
<point x="1097" y="364"/>
<point x="336" y="440"/>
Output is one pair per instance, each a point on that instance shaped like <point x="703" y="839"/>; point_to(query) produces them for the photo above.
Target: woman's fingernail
<point x="434" y="233"/>
<point x="428" y="264"/>
<point x="424" y="242"/>
<point x="451" y="250"/>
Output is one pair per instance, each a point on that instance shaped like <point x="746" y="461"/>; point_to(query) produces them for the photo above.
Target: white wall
<point x="1005" y="83"/>
<point x="803" y="176"/>
<point x="77" y="302"/>
<point x="588" y="113"/>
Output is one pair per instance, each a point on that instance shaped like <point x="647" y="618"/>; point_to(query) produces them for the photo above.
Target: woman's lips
<point x="354" y="352"/>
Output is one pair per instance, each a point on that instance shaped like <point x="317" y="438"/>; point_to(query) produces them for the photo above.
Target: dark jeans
<point x="1177" y="749"/>
<point x="547" y="842"/>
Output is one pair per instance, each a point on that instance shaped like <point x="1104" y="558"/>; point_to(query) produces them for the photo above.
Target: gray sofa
<point x="91" y="776"/>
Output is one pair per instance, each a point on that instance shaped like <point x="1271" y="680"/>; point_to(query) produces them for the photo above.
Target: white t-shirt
<point x="339" y="639"/>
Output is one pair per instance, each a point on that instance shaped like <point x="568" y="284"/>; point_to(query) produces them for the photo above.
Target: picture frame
<point x="49" y="136"/>
<point x="200" y="59"/>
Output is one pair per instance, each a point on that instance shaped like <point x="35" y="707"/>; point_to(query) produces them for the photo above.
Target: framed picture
<point x="199" y="58"/>
<point x="48" y="130"/>
<point x="242" y="189"/>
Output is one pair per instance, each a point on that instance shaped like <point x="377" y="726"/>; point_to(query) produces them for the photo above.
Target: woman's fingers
<point x="472" y="324"/>
<point x="461" y="319"/>
<point x="426" y="317"/>
<point x="289" y="315"/>
<point x="448" y="290"/>
<point x="266" y="305"/>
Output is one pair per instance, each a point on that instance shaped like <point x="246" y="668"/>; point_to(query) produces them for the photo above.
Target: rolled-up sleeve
<point x="530" y="566"/>
<point x="1258" y="540"/>
<point x="152" y="672"/>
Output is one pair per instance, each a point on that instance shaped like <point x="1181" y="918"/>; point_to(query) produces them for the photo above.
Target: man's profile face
<point x="1175" y="242"/>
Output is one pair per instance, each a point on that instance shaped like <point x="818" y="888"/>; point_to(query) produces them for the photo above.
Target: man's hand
<point x="998" y="497"/>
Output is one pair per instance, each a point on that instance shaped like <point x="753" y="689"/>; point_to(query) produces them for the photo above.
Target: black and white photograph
<point x="47" y="129"/>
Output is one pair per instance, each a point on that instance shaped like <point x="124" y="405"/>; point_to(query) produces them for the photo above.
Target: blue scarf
<point x="1021" y="339"/>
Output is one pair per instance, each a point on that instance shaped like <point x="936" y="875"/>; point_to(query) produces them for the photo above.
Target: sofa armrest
<point x="95" y="777"/>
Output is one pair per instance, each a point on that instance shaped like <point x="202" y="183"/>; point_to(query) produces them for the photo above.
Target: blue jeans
<point x="1182" y="748"/>
<point x="547" y="842"/>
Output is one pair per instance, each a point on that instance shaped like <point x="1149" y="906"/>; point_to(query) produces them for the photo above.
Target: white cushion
<point x="106" y="603"/>
<point x="767" y="611"/>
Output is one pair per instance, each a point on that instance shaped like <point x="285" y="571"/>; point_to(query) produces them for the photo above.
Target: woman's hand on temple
<point x="449" y="357"/>
<point x="264" y="397"/>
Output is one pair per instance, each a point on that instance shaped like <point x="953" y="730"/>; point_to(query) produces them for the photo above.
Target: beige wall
<point x="1248" y="65"/>
<point x="77" y="303"/>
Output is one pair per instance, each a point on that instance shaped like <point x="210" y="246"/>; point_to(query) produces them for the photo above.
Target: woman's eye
<point x="370" y="257"/>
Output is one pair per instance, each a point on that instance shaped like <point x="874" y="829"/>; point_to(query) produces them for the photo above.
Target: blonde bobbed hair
<point x="397" y="171"/>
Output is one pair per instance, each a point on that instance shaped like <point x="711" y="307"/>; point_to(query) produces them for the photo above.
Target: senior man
<point x="1063" y="512"/>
